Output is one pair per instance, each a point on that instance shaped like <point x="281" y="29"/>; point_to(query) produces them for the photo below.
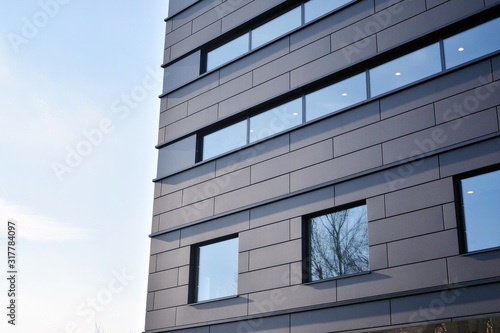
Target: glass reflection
<point x="316" y="8"/>
<point x="176" y="156"/>
<point x="338" y="244"/>
<point x="217" y="270"/>
<point x="224" y="140"/>
<point x="481" y="198"/>
<point x="277" y="27"/>
<point x="228" y="51"/>
<point x="336" y="97"/>
<point x="276" y="120"/>
<point x="472" y="43"/>
<point x="406" y="69"/>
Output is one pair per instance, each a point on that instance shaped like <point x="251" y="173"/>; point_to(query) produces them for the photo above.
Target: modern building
<point x="328" y="166"/>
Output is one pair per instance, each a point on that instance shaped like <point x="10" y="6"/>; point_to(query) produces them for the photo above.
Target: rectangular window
<point x="276" y="120"/>
<point x="336" y="243"/>
<point x="228" y="51"/>
<point x="480" y="198"/>
<point x="225" y="139"/>
<point x="215" y="272"/>
<point x="316" y="8"/>
<point x="277" y="27"/>
<point x="472" y="43"/>
<point x="176" y="156"/>
<point x="405" y="70"/>
<point x="335" y="97"/>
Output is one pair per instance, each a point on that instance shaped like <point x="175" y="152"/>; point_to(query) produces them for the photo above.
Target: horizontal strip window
<point x="189" y="67"/>
<point x="271" y="30"/>
<point x="384" y="78"/>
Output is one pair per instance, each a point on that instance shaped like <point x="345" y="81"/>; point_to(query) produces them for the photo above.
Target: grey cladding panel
<point x="243" y="13"/>
<point x="469" y="102"/>
<point x="426" y="22"/>
<point x="435" y="89"/>
<point x="423" y="196"/>
<point x="279" y="324"/>
<point x="203" y="312"/>
<point x="359" y="316"/>
<point x="264" y="236"/>
<point x="469" y="158"/>
<point x="444" y="135"/>
<point x="254" y="60"/>
<point x="296" y="206"/>
<point x="402" y="278"/>
<point x="385" y="130"/>
<point x="328" y="25"/>
<point x="447" y="304"/>
<point x="213" y="229"/>
<point x="427" y="247"/>
<point x="389" y="180"/>
<point x="474" y="266"/>
<point x="405" y="225"/>
<point x="335" y="125"/>
<point x="292" y="297"/>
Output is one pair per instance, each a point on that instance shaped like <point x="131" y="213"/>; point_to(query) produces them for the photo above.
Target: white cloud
<point x="36" y="227"/>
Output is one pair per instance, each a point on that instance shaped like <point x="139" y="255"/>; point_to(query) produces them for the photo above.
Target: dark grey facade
<point x="405" y="150"/>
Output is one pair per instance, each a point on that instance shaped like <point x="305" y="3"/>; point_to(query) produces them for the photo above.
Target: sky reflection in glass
<point x="224" y="140"/>
<point x="481" y="200"/>
<point x="336" y="97"/>
<point x="277" y="27"/>
<point x="472" y="43"/>
<point x="406" y="69"/>
<point x="315" y="8"/>
<point x="276" y="120"/>
<point x="218" y="270"/>
<point x="228" y="51"/>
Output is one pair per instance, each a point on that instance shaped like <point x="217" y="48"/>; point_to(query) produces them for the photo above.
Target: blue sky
<point x="79" y="106"/>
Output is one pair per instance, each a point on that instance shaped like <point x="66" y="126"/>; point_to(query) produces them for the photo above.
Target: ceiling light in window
<point x="398" y="73"/>
<point x="295" y="113"/>
<point x="470" y="192"/>
<point x="251" y="131"/>
<point x="460" y="49"/>
<point x="344" y="94"/>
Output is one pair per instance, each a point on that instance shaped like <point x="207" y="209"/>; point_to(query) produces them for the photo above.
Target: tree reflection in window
<point x="338" y="243"/>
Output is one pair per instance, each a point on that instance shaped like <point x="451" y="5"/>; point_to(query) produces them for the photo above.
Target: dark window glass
<point x="481" y="210"/>
<point x="338" y="244"/>
<point x="276" y="120"/>
<point x="217" y="271"/>
<point x="225" y="139"/>
<point x="473" y="43"/>
<point x="336" y="97"/>
<point x="315" y="8"/>
<point x="406" y="69"/>
<point x="181" y="72"/>
<point x="228" y="51"/>
<point x="277" y="27"/>
<point x="176" y="156"/>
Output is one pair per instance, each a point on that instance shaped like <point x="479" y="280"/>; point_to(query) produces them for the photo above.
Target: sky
<point x="79" y="109"/>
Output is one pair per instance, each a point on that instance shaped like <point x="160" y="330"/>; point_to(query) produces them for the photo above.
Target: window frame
<point x="460" y="211"/>
<point x="306" y="242"/>
<point x="194" y="263"/>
